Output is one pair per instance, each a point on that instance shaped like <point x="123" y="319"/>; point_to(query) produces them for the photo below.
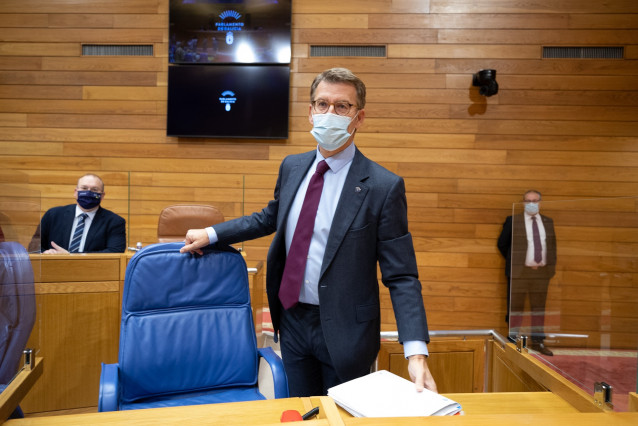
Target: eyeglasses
<point x="88" y="188"/>
<point x="341" y="108"/>
<point x="532" y="201"/>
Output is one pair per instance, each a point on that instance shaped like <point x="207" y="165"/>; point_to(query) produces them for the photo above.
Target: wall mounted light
<point x="486" y="81"/>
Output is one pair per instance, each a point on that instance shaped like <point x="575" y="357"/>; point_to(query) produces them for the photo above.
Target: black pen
<point x="310" y="414"/>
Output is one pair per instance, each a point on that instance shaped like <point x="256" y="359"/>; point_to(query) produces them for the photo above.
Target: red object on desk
<point x="290" y="416"/>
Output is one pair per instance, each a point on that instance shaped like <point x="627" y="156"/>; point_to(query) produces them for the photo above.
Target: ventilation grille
<point x="117" y="50"/>
<point x="358" y="51"/>
<point x="605" y="52"/>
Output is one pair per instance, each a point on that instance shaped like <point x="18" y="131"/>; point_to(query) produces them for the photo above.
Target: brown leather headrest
<point x="175" y="221"/>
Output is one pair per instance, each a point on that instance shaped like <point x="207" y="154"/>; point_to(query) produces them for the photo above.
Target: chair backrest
<point x="186" y="323"/>
<point x="175" y="221"/>
<point x="17" y="306"/>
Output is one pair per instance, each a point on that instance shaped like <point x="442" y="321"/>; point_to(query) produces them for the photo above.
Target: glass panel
<point x="579" y="298"/>
<point x="221" y="191"/>
<point x="19" y="218"/>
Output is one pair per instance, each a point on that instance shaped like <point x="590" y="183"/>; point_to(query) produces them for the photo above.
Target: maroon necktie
<point x="538" y="248"/>
<point x="298" y="253"/>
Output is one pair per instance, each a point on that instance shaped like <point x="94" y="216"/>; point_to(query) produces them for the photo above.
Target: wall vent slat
<point x="117" y="50"/>
<point x="353" y="51"/>
<point x="589" y="52"/>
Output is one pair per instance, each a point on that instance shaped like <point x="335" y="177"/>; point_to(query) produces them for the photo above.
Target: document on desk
<point x="384" y="394"/>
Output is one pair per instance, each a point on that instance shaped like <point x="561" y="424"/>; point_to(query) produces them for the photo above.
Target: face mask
<point x="531" y="208"/>
<point x="331" y="130"/>
<point x="89" y="199"/>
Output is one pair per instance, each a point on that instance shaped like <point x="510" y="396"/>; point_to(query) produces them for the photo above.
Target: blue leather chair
<point x="187" y="335"/>
<point x="17" y="310"/>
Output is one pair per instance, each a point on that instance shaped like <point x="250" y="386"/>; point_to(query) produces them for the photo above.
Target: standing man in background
<point x="84" y="227"/>
<point x="336" y="215"/>
<point x="528" y="244"/>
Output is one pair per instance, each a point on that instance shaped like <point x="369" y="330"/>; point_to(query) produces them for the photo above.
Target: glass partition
<point x="573" y="289"/>
<point x="226" y="193"/>
<point x="19" y="217"/>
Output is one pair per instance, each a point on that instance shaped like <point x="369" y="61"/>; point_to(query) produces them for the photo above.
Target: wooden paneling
<point x="458" y="366"/>
<point x="567" y="127"/>
<point x="76" y="327"/>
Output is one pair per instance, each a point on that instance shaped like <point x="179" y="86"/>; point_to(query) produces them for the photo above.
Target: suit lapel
<point x="67" y="220"/>
<point x="95" y="225"/>
<point x="352" y="196"/>
<point x="290" y="185"/>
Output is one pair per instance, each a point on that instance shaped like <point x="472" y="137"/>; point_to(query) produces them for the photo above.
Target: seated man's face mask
<point x="89" y="199"/>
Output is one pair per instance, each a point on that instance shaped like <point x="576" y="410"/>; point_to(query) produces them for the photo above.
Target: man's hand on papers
<point x="420" y="373"/>
<point x="195" y="239"/>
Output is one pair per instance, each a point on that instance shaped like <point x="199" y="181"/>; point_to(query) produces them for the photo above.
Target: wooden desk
<point x="238" y="413"/>
<point x="76" y="328"/>
<point x="537" y="409"/>
<point x="507" y="408"/>
<point x="512" y="403"/>
<point x="539" y="419"/>
<point x="505" y="403"/>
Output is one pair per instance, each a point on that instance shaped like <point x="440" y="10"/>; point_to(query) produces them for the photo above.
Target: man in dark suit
<point x="97" y="229"/>
<point x="530" y="263"/>
<point x="331" y="335"/>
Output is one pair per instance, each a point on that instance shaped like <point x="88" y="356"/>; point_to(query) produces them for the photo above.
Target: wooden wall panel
<point x="564" y="126"/>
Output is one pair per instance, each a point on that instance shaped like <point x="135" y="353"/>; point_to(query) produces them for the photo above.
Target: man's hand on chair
<point x="194" y="241"/>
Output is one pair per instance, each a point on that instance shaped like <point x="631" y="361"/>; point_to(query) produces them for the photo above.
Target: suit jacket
<point x="107" y="233"/>
<point x="370" y="225"/>
<point x="515" y="255"/>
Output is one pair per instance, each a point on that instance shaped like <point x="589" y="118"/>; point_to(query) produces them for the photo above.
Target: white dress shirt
<point x="529" y="256"/>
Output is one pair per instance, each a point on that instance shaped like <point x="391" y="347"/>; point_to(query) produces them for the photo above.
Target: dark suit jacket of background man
<point x="107" y="233"/>
<point x="370" y="224"/>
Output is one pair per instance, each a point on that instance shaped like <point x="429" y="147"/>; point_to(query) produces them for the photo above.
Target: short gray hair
<point x="92" y="175"/>
<point x="540" y="197"/>
<point x="341" y="75"/>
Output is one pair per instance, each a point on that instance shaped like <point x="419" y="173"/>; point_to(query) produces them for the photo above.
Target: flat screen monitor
<point x="228" y="101"/>
<point x="229" y="31"/>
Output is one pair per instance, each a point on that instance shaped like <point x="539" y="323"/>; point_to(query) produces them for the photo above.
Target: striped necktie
<point x="77" y="235"/>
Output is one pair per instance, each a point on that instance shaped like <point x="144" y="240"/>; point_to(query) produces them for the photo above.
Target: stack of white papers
<point x="384" y="394"/>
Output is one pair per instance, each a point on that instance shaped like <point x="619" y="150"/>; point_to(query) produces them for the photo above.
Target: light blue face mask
<point x="531" y="208"/>
<point x="331" y="130"/>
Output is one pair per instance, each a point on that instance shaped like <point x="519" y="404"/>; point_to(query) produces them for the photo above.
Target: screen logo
<point x="227" y="99"/>
<point x="229" y="23"/>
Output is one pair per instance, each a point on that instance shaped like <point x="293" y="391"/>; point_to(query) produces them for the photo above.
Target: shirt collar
<point x="79" y="211"/>
<point x="340" y="159"/>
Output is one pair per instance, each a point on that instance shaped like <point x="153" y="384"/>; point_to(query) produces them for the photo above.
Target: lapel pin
<point x="357" y="189"/>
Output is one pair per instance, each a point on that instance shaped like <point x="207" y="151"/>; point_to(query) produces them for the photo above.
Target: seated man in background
<point x="84" y="227"/>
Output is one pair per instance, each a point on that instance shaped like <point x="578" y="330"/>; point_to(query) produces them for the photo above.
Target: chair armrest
<point x="280" y="380"/>
<point x="109" y="388"/>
